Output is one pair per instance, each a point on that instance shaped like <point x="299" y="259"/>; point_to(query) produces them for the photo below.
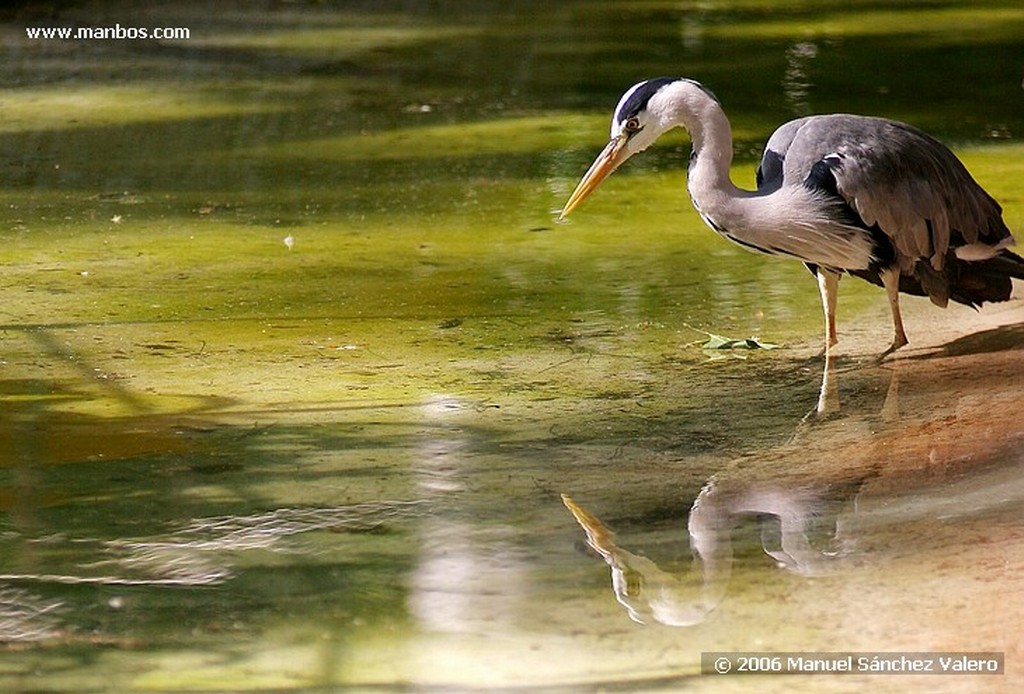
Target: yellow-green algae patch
<point x="335" y="42"/>
<point x="38" y="109"/>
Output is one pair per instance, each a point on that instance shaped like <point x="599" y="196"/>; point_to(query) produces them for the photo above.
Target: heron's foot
<point x="828" y="351"/>
<point x="822" y="412"/>
<point x="900" y="340"/>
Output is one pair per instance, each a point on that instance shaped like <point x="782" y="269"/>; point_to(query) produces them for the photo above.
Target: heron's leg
<point x="891" y="282"/>
<point x="828" y="395"/>
<point x="828" y="398"/>
<point x="891" y="407"/>
<point x="828" y="285"/>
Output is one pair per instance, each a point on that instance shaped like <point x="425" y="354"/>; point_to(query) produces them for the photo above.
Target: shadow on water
<point x="466" y="77"/>
<point x="100" y="510"/>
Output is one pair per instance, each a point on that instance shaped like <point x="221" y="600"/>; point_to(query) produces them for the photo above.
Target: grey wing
<point x="897" y="179"/>
<point x="770" y="170"/>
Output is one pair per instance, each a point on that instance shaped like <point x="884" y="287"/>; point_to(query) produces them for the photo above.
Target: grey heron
<point x="869" y="197"/>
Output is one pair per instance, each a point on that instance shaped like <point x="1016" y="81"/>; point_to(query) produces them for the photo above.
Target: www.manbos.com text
<point x="116" y="32"/>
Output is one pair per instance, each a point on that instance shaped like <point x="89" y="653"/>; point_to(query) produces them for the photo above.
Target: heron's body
<point x="869" y="197"/>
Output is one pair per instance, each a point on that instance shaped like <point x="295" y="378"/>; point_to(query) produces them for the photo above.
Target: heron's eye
<point x="632" y="125"/>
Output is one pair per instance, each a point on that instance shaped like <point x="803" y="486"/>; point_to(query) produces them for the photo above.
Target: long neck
<point x="689" y="105"/>
<point x="785" y="221"/>
<point x="712" y="153"/>
<point x="724" y="207"/>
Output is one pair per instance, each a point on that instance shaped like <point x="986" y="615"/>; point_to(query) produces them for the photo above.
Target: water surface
<point x="296" y="365"/>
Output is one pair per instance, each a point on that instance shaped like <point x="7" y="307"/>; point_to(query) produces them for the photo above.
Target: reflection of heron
<point x="650" y="593"/>
<point x="869" y="197"/>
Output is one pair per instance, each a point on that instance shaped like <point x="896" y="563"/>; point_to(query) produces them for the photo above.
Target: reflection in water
<point x="27" y="617"/>
<point x="198" y="554"/>
<point x="469" y="575"/>
<point x="794" y="532"/>
<point x="692" y="28"/>
<point x="465" y="581"/>
<point x="202" y="553"/>
<point x="649" y="593"/>
<point x="828" y="394"/>
<point x="817" y="517"/>
<point x="796" y="83"/>
<point x="788" y="518"/>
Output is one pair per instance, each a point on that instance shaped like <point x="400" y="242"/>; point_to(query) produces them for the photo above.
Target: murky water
<point x="303" y="388"/>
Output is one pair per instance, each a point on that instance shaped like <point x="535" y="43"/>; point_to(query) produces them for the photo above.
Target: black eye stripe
<point x="637" y="101"/>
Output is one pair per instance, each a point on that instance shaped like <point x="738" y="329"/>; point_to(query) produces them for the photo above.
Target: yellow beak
<point x="607" y="161"/>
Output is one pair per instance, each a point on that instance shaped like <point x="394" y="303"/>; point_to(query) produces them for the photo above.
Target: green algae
<point x="310" y="261"/>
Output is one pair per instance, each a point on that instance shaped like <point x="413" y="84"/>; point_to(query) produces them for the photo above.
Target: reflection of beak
<point x="598" y="535"/>
<point x="607" y="161"/>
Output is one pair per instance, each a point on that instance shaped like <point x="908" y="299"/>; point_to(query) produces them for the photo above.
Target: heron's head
<point x="642" y="115"/>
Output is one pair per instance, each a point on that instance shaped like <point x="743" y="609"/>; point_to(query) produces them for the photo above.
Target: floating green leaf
<point x="718" y="342"/>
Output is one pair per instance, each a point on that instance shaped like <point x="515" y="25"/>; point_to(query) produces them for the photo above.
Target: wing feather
<point x="895" y="177"/>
